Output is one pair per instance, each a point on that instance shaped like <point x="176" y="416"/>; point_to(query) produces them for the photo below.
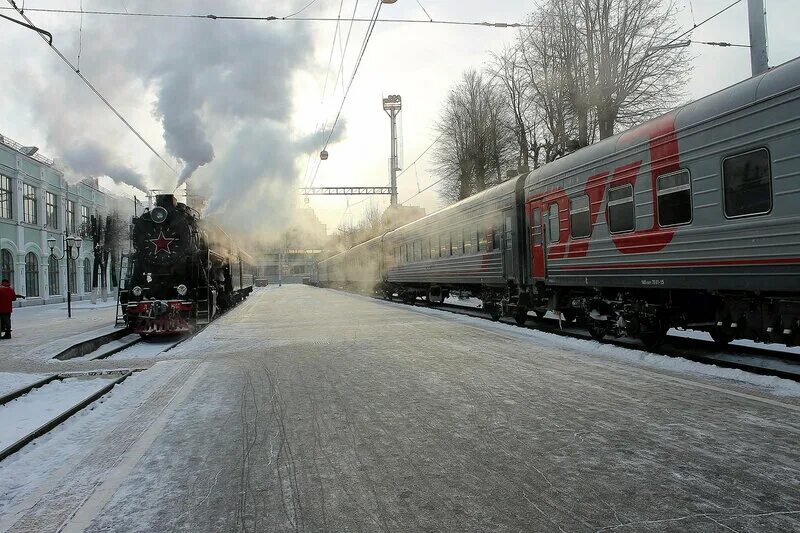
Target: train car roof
<point x="728" y="100"/>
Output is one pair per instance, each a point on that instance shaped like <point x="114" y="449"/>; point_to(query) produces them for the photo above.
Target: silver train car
<point x="689" y="220"/>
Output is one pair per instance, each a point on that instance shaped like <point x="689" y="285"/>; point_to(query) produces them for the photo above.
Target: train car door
<point x="537" y="242"/>
<point x="508" y="244"/>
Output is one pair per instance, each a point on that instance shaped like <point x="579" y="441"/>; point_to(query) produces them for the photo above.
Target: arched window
<point x="87" y="275"/>
<point x="52" y="276"/>
<point x="31" y="275"/>
<point x="7" y="266"/>
<point x="72" y="282"/>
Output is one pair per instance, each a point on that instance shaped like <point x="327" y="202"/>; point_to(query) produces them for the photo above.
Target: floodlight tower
<point x="392" y="104"/>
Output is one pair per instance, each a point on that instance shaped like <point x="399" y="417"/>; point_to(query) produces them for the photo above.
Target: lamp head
<point x="70" y="241"/>
<point x="78" y="242"/>
<point x="51" y="242"/>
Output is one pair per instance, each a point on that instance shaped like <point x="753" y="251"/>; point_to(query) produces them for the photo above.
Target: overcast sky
<point x="242" y="101"/>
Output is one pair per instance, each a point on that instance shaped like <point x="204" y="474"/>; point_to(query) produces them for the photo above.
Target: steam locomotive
<point x="689" y="220"/>
<point x="183" y="272"/>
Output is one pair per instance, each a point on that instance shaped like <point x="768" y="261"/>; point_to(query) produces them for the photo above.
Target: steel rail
<point x="63" y="416"/>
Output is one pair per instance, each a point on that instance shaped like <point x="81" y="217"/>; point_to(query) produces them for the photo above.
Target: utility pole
<point x="393" y="104"/>
<point x="759" y="58"/>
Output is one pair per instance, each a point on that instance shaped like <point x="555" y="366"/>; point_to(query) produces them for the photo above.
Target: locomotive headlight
<point x="137" y="291"/>
<point x="182" y="289"/>
<point x="158" y="215"/>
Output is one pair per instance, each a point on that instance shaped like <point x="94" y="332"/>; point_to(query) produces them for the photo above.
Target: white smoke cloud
<point x="219" y="90"/>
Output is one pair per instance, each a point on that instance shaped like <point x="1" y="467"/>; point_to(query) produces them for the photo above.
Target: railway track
<point x="44" y="397"/>
<point x="57" y="397"/>
<point x="753" y="359"/>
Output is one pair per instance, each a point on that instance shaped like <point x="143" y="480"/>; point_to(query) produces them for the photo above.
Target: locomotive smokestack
<point x="166" y="200"/>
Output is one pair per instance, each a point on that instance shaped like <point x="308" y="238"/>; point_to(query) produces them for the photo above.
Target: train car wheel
<point x="597" y="330"/>
<point x="721" y="337"/>
<point x="521" y="317"/>
<point x="540" y="314"/>
<point x="495" y="312"/>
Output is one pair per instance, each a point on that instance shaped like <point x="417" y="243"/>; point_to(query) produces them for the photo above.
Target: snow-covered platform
<point x="41" y="332"/>
<point x="309" y="409"/>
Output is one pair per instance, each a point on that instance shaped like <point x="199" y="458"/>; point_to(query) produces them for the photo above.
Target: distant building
<point x="36" y="202"/>
<point x="296" y="251"/>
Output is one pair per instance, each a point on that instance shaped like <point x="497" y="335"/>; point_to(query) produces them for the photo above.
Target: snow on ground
<point x="678" y="365"/>
<point x="145" y="349"/>
<point x="466" y="302"/>
<point x="702" y="335"/>
<point x="35" y="464"/>
<point x="11" y="381"/>
<point x="26" y="413"/>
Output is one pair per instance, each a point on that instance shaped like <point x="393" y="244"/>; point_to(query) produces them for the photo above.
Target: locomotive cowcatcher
<point x="178" y="279"/>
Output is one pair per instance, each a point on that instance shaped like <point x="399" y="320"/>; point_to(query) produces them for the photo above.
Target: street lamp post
<point x="70" y="242"/>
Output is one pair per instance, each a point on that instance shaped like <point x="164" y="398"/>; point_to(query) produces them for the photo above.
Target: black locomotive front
<point x="168" y="285"/>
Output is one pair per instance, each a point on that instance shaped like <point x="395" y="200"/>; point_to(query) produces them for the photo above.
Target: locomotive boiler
<point x="183" y="271"/>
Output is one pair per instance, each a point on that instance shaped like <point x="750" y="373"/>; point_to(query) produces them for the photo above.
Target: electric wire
<point x="425" y="10"/>
<point x="97" y="93"/>
<point x="375" y="14"/>
<point x="421" y="155"/>
<point x="271" y="18"/>
<point x="311" y="3"/>
<point x="695" y="26"/>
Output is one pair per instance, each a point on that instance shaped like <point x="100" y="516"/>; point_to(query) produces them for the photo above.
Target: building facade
<point x="37" y="203"/>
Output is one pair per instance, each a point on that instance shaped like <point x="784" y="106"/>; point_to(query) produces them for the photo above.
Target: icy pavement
<point x="309" y="409"/>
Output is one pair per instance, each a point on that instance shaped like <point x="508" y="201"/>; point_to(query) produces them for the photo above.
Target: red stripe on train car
<point x="720" y="262"/>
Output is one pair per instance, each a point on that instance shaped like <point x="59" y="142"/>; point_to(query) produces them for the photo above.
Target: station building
<point x="36" y="203"/>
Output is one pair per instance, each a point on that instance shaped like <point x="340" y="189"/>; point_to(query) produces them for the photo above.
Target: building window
<point x="6" y="197"/>
<point x="85" y="220"/>
<point x="580" y="224"/>
<point x="52" y="276"/>
<point x="87" y="275"/>
<point x="553" y="223"/>
<point x="31" y="275"/>
<point x="674" y="199"/>
<point x="29" y="204"/>
<point x="621" y="216"/>
<point x="71" y="216"/>
<point x="748" y="185"/>
<point x="72" y="281"/>
<point x="51" y="210"/>
<point x="6" y="266"/>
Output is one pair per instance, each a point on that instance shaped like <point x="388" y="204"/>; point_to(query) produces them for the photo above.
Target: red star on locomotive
<point x="162" y="243"/>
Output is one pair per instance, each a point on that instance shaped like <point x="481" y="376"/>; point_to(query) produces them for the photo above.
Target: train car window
<point x="621" y="215"/>
<point x="444" y="245"/>
<point x="468" y="240"/>
<point x="482" y="237"/>
<point x="674" y="199"/>
<point x="474" y="237"/>
<point x="497" y="235"/>
<point x="434" y="247"/>
<point x="417" y="250"/>
<point x="455" y="243"/>
<point x="509" y="233"/>
<point x="553" y="223"/>
<point x="747" y="184"/>
<point x="580" y="224"/>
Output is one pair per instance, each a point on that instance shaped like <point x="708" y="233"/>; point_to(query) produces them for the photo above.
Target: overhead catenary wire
<point x="375" y="14"/>
<point x="271" y="18"/>
<point x="695" y="26"/>
<point x="95" y="91"/>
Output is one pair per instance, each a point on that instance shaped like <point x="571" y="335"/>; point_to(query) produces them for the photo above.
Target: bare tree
<point x="475" y="145"/>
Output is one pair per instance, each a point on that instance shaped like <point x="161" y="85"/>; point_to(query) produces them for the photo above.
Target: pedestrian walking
<point x="7" y="296"/>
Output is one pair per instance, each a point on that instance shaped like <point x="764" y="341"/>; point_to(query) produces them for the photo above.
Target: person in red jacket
<point x="7" y="296"/>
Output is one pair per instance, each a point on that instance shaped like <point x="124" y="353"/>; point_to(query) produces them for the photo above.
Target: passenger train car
<point x="689" y="220"/>
<point x="183" y="271"/>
